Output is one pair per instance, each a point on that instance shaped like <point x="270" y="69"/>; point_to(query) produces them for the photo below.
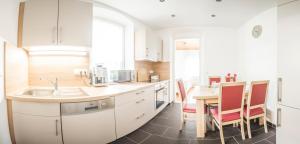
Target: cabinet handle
<point x="54" y="35"/>
<point x="137" y="102"/>
<point x="56" y="127"/>
<point x="139" y="92"/>
<point x="279" y="90"/>
<point x="142" y="115"/>
<point x="279" y="114"/>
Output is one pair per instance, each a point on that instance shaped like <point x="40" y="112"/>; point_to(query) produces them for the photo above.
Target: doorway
<point x="187" y="64"/>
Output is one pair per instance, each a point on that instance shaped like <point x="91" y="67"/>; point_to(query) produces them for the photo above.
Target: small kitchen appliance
<point x="99" y="75"/>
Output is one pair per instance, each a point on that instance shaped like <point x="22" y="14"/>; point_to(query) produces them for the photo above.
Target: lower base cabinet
<point x="134" y="113"/>
<point x="30" y="129"/>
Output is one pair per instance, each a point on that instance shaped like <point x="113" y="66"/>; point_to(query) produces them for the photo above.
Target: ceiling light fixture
<point x="162" y="0"/>
<point x="218" y="0"/>
<point x="213" y="15"/>
<point x="173" y="15"/>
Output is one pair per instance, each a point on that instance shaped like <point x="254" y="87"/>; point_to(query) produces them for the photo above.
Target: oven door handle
<point x="159" y="89"/>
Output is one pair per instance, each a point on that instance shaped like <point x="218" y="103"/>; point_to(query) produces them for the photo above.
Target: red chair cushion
<point x="253" y="112"/>
<point x="225" y="117"/>
<point x="189" y="108"/>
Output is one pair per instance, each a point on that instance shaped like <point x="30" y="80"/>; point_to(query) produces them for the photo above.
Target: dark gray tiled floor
<point x="164" y="129"/>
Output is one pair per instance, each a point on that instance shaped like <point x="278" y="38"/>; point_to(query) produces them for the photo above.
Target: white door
<point x="287" y="130"/>
<point x="289" y="53"/>
<point x="75" y="23"/>
<point x="30" y="129"/>
<point x="40" y="23"/>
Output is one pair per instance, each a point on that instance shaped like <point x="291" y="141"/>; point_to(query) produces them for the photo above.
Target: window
<point x="108" y="44"/>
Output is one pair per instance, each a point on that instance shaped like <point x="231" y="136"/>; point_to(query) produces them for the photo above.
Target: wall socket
<point x="80" y="72"/>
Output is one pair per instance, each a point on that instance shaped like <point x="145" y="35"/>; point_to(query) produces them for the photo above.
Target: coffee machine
<point x="99" y="75"/>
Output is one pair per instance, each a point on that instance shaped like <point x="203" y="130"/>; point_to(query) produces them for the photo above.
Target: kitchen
<point x="104" y="71"/>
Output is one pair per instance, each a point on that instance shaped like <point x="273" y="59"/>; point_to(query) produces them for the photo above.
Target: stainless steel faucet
<point x="54" y="83"/>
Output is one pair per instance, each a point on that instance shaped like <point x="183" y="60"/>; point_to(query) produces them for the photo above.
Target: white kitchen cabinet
<point x="9" y="20"/>
<point x="37" y="123"/>
<point x="288" y="128"/>
<point x="75" y="23"/>
<point x="32" y="129"/>
<point x="40" y="23"/>
<point x="148" y="45"/>
<point x="57" y="22"/>
<point x="131" y="115"/>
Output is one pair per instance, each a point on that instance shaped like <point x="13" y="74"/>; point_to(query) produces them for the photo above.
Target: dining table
<point x="205" y="95"/>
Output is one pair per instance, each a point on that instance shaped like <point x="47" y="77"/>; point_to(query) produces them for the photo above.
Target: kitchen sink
<point x="63" y="92"/>
<point x="38" y="92"/>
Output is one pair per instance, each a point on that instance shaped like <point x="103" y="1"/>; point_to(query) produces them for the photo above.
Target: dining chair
<point x="214" y="79"/>
<point x="187" y="108"/>
<point x="256" y="107"/>
<point x="230" y="107"/>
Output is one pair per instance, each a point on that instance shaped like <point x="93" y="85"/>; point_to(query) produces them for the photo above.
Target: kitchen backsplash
<point x="143" y="68"/>
<point x="62" y="67"/>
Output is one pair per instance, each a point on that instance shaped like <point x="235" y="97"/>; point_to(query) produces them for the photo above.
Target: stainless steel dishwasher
<point x="88" y="122"/>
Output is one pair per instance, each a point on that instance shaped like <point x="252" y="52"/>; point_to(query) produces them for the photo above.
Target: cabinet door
<point x="75" y="23"/>
<point x="288" y="125"/>
<point x="9" y="20"/>
<point x="31" y="129"/>
<point x="40" y="23"/>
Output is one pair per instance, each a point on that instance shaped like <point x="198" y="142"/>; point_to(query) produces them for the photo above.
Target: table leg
<point x="261" y="121"/>
<point x="201" y="122"/>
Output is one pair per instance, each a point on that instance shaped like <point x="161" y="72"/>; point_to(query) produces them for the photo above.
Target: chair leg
<point x="242" y="129"/>
<point x="248" y="128"/>
<point x="221" y="134"/>
<point x="182" y="122"/>
<point x="212" y="125"/>
<point x="265" y="124"/>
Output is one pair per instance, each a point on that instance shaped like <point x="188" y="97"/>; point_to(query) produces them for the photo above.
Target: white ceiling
<point x="229" y="13"/>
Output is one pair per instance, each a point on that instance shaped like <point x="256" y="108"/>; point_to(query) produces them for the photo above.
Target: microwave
<point x="123" y="75"/>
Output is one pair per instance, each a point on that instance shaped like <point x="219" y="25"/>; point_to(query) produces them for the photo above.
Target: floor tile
<point x="257" y="136"/>
<point x="123" y="140"/>
<point x="154" y="139"/>
<point x="263" y="142"/>
<point x="229" y="140"/>
<point x="138" y="136"/>
<point x="272" y="139"/>
<point x="154" y="129"/>
<point x="177" y="134"/>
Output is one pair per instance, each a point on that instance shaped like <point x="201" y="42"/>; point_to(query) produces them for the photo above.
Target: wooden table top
<point x="204" y="92"/>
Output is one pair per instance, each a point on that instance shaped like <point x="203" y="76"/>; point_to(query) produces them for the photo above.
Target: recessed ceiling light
<point x="213" y="15"/>
<point x="162" y="0"/>
<point x="218" y="0"/>
<point x="173" y="15"/>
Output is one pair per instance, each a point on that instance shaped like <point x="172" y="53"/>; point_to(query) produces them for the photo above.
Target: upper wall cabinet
<point x="9" y="20"/>
<point x="148" y="46"/>
<point x="57" y="22"/>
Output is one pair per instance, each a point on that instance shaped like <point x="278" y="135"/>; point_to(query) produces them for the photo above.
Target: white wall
<point x="258" y="57"/>
<point x="218" y="49"/>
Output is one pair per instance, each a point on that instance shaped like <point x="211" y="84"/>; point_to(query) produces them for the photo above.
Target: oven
<point x="161" y="95"/>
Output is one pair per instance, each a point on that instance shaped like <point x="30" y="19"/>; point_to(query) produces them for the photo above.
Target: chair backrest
<point x="228" y="79"/>
<point x="231" y="97"/>
<point x="181" y="90"/>
<point x="258" y="93"/>
<point x="215" y="79"/>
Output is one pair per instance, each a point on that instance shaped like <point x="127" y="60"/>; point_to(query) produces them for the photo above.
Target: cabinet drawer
<point x="39" y="109"/>
<point x="133" y="96"/>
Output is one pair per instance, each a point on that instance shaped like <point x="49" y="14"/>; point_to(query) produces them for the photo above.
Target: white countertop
<point x="91" y="93"/>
